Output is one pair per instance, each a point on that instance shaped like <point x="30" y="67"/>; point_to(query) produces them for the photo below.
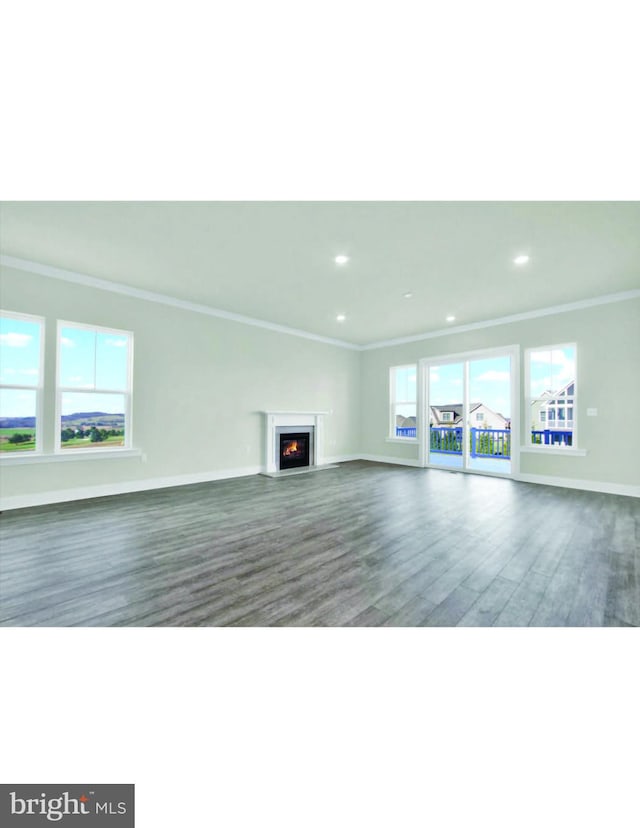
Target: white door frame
<point x="423" y="404"/>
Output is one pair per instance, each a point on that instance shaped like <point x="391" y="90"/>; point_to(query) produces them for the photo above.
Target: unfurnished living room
<point x="320" y="414"/>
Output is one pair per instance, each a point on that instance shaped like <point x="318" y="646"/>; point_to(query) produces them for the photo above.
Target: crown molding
<point x="162" y="299"/>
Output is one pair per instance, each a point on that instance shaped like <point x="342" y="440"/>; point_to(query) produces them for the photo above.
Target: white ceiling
<point x="274" y="261"/>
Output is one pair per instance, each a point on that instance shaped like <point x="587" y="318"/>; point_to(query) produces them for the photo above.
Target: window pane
<point x="92" y="420"/>
<point x="552" y="371"/>
<point x="17" y="420"/>
<point x="19" y="351"/>
<point x="77" y="358"/>
<point x="405" y="420"/>
<point x="111" y="361"/>
<point x="563" y="368"/>
<point x="539" y="372"/>
<point x="406" y="383"/>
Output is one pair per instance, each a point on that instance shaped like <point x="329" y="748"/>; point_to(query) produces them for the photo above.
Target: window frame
<point x="393" y="403"/>
<point x="529" y="400"/>
<point x="39" y="388"/>
<point x="60" y="390"/>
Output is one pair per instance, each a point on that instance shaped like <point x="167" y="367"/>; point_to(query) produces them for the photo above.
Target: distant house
<point x="554" y="409"/>
<point x="480" y="416"/>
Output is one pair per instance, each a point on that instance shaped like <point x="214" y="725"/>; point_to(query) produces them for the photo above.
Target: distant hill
<point x="17" y="422"/>
<point x="97" y="418"/>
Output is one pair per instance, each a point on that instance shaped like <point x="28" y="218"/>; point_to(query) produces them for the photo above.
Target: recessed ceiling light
<point x="341" y="317"/>
<point x="521" y="259"/>
<point x="451" y="319"/>
<point x="408" y="295"/>
<point x="341" y="259"/>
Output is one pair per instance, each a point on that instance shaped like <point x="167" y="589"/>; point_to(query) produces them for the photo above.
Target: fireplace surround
<point x="282" y="427"/>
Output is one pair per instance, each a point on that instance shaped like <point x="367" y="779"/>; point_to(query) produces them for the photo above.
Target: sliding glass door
<point x="445" y="415"/>
<point x="469" y="403"/>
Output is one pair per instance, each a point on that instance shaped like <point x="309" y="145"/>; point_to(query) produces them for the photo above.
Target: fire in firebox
<point x="294" y="450"/>
<point x="291" y="449"/>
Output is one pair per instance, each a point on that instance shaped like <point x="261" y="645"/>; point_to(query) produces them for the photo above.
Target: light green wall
<point x="199" y="385"/>
<point x="608" y="340"/>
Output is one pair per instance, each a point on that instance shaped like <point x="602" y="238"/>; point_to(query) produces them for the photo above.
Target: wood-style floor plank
<point x="364" y="544"/>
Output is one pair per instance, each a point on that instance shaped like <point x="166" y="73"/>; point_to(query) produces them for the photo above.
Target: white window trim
<point x="531" y="448"/>
<point x="39" y="390"/>
<point x="86" y="454"/>
<point x="392" y="437"/>
<point x="567" y="451"/>
<point x="60" y="390"/>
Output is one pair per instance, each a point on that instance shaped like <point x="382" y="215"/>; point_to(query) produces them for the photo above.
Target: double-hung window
<point x="93" y="395"/>
<point x="551" y="395"/>
<point x="21" y="379"/>
<point x="403" y="396"/>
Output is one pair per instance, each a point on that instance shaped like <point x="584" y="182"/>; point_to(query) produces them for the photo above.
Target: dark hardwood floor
<point x="361" y="545"/>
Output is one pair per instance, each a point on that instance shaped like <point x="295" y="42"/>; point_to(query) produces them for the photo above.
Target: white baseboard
<point x="342" y="458"/>
<point x="127" y="487"/>
<point x="585" y="485"/>
<point x="394" y="461"/>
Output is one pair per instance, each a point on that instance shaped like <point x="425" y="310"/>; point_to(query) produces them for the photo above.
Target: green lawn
<point x="5" y="445"/>
<point x="74" y="442"/>
<point x="85" y="442"/>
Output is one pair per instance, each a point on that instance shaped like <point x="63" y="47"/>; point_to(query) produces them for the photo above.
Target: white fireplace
<point x="305" y="422"/>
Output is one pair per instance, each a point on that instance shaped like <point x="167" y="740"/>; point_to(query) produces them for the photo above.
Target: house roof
<point x="456" y="407"/>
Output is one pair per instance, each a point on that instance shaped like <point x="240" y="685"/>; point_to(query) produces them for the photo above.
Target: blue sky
<point x="19" y="352"/>
<point x="488" y="383"/>
<point x="92" y="360"/>
<point x="551" y="370"/>
<point x="87" y="360"/>
<point x="19" y="365"/>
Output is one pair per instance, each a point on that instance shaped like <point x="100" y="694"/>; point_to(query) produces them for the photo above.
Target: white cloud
<point x="456" y="382"/>
<point x="68" y="343"/>
<point x="494" y="376"/>
<point x="29" y="372"/>
<point x="121" y="343"/>
<point x="75" y="379"/>
<point x="10" y="371"/>
<point x="564" y="369"/>
<point x="540" y="387"/>
<point x="541" y="356"/>
<point x="15" y="340"/>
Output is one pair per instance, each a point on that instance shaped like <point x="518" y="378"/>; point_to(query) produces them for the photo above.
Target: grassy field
<point x="5" y="445"/>
<point x="85" y="442"/>
<point x="74" y="442"/>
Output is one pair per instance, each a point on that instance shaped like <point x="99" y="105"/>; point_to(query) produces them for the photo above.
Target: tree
<point x="20" y="438"/>
<point x="95" y="435"/>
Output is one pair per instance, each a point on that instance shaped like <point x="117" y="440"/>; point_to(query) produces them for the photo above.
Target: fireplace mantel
<point x="304" y="419"/>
